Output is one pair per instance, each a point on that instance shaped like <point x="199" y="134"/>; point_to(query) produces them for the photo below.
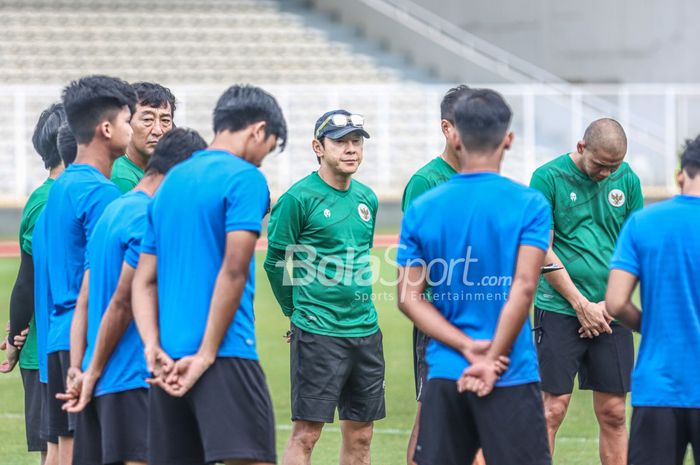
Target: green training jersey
<point x="28" y="357"/>
<point x="586" y="218"/>
<point x="432" y="174"/>
<point x="333" y="294"/>
<point x="126" y="174"/>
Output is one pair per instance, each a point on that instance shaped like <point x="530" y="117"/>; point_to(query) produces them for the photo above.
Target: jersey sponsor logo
<point x="327" y="213"/>
<point x="616" y="198"/>
<point x="572" y="196"/>
<point x="364" y="212"/>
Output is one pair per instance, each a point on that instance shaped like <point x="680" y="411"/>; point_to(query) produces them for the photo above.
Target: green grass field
<point x="577" y="441"/>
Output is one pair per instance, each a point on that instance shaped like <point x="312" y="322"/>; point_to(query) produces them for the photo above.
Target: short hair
<point x="606" y="134"/>
<point x="447" y="106"/>
<point x="241" y="106"/>
<point x="154" y="95"/>
<point x="690" y="159"/>
<point x="67" y="146"/>
<point x="482" y="118"/>
<point x="46" y="133"/>
<point x="174" y="147"/>
<point x="92" y="99"/>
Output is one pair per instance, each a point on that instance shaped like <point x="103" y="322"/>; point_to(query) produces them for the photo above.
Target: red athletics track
<point x="10" y="249"/>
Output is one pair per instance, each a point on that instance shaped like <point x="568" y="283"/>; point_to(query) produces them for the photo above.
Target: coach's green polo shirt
<point x="586" y="218"/>
<point x="337" y="228"/>
<point x="28" y="357"/>
<point x="126" y="174"/>
<point x="434" y="173"/>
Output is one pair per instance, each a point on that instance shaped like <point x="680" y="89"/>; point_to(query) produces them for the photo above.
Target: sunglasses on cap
<point x="340" y="120"/>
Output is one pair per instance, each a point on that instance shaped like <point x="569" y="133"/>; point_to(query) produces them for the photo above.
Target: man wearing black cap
<point x="325" y="223"/>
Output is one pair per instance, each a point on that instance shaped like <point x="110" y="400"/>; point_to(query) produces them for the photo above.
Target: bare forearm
<point x="629" y="315"/>
<point x="429" y="320"/>
<point x="562" y="283"/>
<point x="145" y="312"/>
<point x="112" y="327"/>
<point x="511" y="322"/>
<point x="224" y="304"/>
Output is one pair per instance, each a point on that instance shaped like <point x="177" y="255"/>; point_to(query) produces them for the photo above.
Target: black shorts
<point x="32" y="410"/>
<point x="660" y="435"/>
<point x="328" y="372"/>
<point x="44" y="425"/>
<point x="420" y="365"/>
<point x="227" y="415"/>
<point x="113" y="428"/>
<point x="61" y="423"/>
<point x="603" y="364"/>
<point x="508" y="425"/>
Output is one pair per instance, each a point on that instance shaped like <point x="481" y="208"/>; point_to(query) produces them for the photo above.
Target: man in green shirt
<point x="432" y="174"/>
<point x="325" y="222"/>
<point x="592" y="192"/>
<point x="152" y="118"/>
<point x="44" y="139"/>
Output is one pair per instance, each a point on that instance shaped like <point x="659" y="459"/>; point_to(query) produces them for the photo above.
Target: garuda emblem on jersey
<point x="364" y="212"/>
<point x="616" y="198"/>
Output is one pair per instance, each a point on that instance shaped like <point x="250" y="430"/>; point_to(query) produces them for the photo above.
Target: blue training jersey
<point x="116" y="239"/>
<point x="661" y="246"/>
<point x="43" y="303"/>
<point x="199" y="202"/>
<point x="467" y="232"/>
<point x="77" y="199"/>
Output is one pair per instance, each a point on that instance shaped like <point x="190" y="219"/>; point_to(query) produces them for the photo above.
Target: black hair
<point x="447" y="106"/>
<point x="690" y="159"/>
<point x="241" y="106"/>
<point x="175" y="146"/>
<point x="67" y="146"/>
<point x="46" y="132"/>
<point x="482" y="118"/>
<point x="92" y="99"/>
<point x="154" y="95"/>
<point x="606" y="134"/>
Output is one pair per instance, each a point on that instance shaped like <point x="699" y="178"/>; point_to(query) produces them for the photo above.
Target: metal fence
<point x="404" y="123"/>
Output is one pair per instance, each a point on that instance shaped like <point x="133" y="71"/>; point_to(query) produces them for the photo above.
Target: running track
<point x="10" y="249"/>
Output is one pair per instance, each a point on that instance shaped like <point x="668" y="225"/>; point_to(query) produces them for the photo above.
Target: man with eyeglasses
<point x="325" y="223"/>
<point x="152" y="119"/>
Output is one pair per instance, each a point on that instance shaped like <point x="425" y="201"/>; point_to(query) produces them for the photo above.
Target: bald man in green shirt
<point x="152" y="119"/>
<point x="592" y="192"/>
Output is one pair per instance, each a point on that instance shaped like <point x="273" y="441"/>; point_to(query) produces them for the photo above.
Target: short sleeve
<point x="247" y="201"/>
<point x="133" y="240"/>
<point x="537" y="224"/>
<point x="416" y="186"/>
<point x="636" y="200"/>
<point x="286" y="222"/>
<point x="94" y="203"/>
<point x="148" y="242"/>
<point x="410" y="252"/>
<point x="626" y="255"/>
<point x="540" y="182"/>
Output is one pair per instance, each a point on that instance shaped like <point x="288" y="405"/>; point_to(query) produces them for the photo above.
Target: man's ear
<point x="508" y="140"/>
<point x="104" y="129"/>
<point x="680" y="178"/>
<point x="581" y="146"/>
<point x="446" y="127"/>
<point x="317" y="147"/>
<point x="259" y="131"/>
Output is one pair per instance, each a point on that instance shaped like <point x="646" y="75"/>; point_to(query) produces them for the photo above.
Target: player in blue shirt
<point x="112" y="428"/>
<point x="660" y="248"/>
<point x="193" y="293"/>
<point x="98" y="109"/>
<point x="478" y="240"/>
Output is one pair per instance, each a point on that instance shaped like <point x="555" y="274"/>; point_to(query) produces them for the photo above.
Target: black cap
<point x="333" y="132"/>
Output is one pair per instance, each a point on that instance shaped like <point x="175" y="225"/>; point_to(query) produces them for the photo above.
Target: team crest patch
<point x="364" y="212"/>
<point x="572" y="196"/>
<point x="327" y="213"/>
<point x="616" y="198"/>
